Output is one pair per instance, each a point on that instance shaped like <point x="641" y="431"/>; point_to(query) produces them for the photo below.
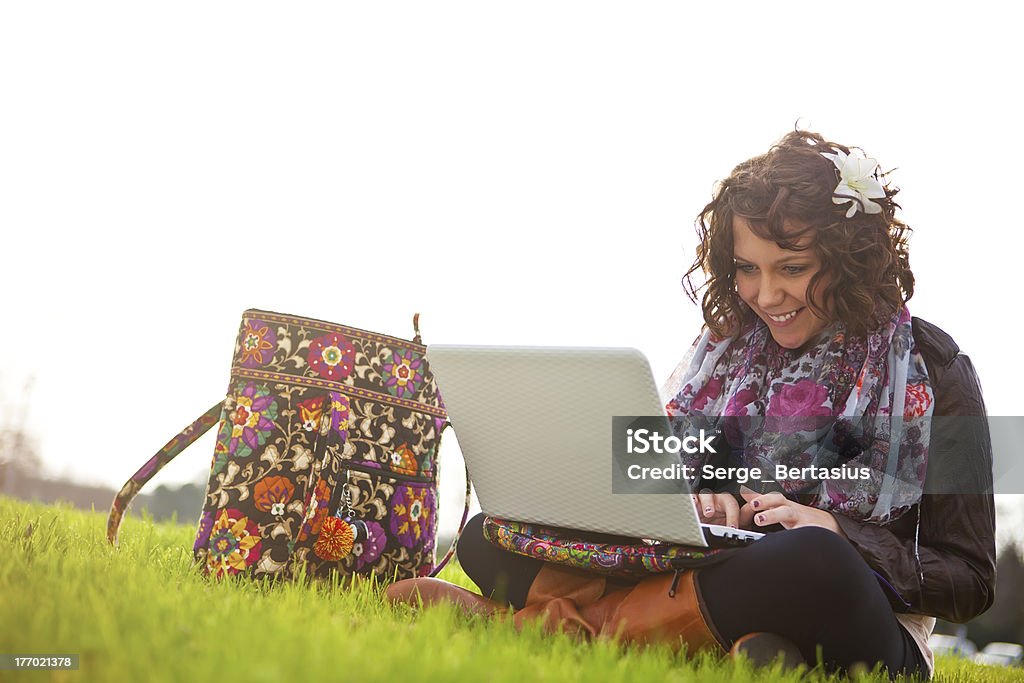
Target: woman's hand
<point x="774" y="508"/>
<point x="717" y="508"/>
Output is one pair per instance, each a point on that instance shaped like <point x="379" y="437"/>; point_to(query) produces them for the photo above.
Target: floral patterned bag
<point x="326" y="455"/>
<point x="620" y="557"/>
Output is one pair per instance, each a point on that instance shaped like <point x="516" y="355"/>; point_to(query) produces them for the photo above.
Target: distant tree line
<point x="180" y="503"/>
<point x="183" y="503"/>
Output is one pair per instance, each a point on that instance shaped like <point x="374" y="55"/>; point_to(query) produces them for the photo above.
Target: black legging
<point x="808" y="585"/>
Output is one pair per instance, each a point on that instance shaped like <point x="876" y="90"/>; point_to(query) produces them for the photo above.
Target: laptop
<point x="535" y="425"/>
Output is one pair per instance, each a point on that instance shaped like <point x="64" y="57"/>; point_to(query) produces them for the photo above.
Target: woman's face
<point x="774" y="282"/>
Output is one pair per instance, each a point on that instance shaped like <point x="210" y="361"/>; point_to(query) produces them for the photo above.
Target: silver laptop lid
<point x="535" y="427"/>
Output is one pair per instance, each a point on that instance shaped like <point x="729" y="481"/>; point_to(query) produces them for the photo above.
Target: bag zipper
<point x="380" y="471"/>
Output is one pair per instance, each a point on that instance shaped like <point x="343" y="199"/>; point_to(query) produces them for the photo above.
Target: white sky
<point x="517" y="172"/>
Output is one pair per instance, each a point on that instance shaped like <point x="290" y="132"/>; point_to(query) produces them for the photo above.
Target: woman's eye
<point x="744" y="268"/>
<point x="795" y="270"/>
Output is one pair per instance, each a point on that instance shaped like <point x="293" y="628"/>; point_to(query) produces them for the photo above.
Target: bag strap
<point x="469" y="490"/>
<point x="462" y="522"/>
<point x="183" y="440"/>
<point x="170" y="450"/>
<point x="202" y="425"/>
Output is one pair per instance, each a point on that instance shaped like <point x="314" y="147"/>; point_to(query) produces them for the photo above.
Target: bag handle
<point x="171" y="449"/>
<point x="189" y="435"/>
<point x="462" y="522"/>
<point x="469" y="490"/>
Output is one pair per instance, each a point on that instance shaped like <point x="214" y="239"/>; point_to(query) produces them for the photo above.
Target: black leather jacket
<point x="949" y="572"/>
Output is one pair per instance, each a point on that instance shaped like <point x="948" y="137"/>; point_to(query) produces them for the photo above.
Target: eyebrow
<point x="784" y="259"/>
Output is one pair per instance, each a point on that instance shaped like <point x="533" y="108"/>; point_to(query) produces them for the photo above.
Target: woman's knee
<point x="818" y="561"/>
<point x="813" y="538"/>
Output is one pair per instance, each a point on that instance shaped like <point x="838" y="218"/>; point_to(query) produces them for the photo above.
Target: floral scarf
<point x="828" y="405"/>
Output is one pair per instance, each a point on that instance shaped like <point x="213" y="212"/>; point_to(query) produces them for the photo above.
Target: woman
<point x="808" y="349"/>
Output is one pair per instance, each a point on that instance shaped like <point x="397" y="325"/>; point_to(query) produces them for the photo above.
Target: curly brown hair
<point x="864" y="258"/>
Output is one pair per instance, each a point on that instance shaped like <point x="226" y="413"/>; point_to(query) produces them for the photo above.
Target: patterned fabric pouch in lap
<point x="326" y="456"/>
<point x="619" y="557"/>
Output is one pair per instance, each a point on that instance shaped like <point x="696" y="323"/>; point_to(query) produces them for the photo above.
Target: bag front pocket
<point x="375" y="522"/>
<point x="269" y="445"/>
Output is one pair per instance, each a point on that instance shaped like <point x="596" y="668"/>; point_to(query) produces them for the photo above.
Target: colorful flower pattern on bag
<point x="331" y="356"/>
<point x="316" y="512"/>
<point x="205" y="528"/>
<point x="271" y="494"/>
<point x="235" y="544"/>
<point x="403" y="373"/>
<point x="368" y="549"/>
<point x="339" y="414"/>
<point x="247" y="426"/>
<point x="403" y="460"/>
<point x="325" y="456"/>
<point x="311" y="412"/>
<point x="566" y="547"/>
<point x="411" y="513"/>
<point x="257" y="344"/>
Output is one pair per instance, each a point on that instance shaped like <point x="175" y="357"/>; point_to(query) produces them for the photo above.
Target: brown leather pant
<point x="662" y="608"/>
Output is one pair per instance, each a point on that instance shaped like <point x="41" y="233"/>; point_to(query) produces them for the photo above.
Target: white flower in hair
<point x="857" y="182"/>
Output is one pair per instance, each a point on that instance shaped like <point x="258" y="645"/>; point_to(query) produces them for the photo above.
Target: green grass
<point x="140" y="612"/>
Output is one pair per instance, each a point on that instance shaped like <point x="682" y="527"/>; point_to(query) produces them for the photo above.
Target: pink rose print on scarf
<point x="797" y="407"/>
<point x="708" y="392"/>
<point x="739" y="401"/>
<point x="735" y="422"/>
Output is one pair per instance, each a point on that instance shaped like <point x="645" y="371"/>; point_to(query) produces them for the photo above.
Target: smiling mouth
<point x="785" y="317"/>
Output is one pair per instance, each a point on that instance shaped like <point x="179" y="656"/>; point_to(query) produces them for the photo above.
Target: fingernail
<point x="760" y="519"/>
<point x="756" y="503"/>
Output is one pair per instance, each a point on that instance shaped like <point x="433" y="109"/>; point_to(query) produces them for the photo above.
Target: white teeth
<point x="783" y="318"/>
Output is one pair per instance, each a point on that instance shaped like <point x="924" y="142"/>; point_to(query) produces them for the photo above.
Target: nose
<point x="770" y="293"/>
